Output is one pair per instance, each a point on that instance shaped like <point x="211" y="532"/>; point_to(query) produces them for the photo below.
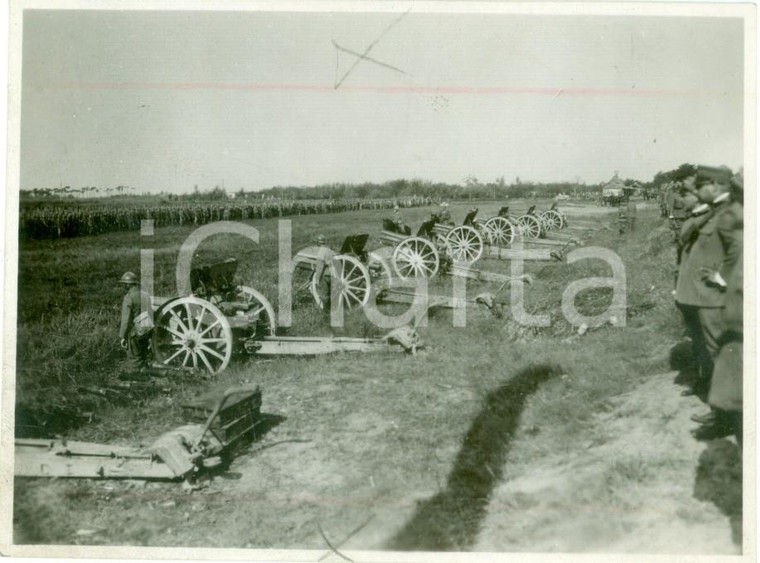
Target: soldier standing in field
<point x="622" y="220"/>
<point x="324" y="258"/>
<point x="136" y="323"/>
<point x="684" y="200"/>
<point x="631" y="215"/>
<point x="701" y="304"/>
<point x="665" y="199"/>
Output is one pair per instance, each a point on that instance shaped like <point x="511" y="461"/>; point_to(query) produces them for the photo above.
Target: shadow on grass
<point x="62" y="413"/>
<point x="719" y="480"/>
<point x="50" y="420"/>
<point x="687" y="378"/>
<point x="681" y="359"/>
<point x="451" y="519"/>
<point x="266" y="423"/>
<point x="719" y="469"/>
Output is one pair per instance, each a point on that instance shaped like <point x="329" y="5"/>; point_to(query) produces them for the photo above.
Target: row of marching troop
<point x="707" y="220"/>
<point x="218" y="318"/>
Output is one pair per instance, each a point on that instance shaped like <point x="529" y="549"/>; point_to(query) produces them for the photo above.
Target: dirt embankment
<point x="661" y="491"/>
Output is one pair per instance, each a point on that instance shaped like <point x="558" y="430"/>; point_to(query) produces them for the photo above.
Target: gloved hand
<point x="713" y="278"/>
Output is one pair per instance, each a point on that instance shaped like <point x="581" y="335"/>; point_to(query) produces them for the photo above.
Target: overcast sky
<point x="168" y="100"/>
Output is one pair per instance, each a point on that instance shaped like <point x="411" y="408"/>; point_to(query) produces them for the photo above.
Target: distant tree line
<point x="675" y="175"/>
<point x="470" y="189"/>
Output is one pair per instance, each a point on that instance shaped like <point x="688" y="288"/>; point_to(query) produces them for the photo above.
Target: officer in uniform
<point x="682" y="200"/>
<point x="666" y="199"/>
<point x="136" y="323"/>
<point x="725" y="397"/>
<point x="703" y="248"/>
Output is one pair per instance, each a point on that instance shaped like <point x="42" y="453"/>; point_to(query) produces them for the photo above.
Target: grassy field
<point x="69" y="298"/>
<point x="412" y="446"/>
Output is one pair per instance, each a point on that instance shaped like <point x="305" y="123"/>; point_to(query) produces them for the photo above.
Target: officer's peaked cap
<point x="713" y="174"/>
<point x="684" y="172"/>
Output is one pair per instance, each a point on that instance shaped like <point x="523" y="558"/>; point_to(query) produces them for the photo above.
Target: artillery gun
<point x="431" y="250"/>
<point x="350" y="273"/>
<point x="204" y="329"/>
<point x="221" y="319"/>
<point x="529" y="225"/>
<point x="410" y="256"/>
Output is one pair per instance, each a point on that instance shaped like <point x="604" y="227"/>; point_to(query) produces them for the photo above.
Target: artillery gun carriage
<point x="347" y="275"/>
<point x="203" y="330"/>
<point x="221" y="319"/>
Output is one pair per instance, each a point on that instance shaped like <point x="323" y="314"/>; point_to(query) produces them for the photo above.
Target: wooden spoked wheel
<point x="415" y="257"/>
<point x="530" y="226"/>
<point x="259" y="307"/>
<point x="465" y="244"/>
<point x="353" y="281"/>
<point x="552" y="220"/>
<point x="500" y="231"/>
<point x="192" y="333"/>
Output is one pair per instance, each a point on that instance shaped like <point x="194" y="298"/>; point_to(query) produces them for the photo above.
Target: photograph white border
<point x="10" y="254"/>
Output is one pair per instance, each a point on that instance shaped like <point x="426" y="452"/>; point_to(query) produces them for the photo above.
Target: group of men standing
<point x="709" y="292"/>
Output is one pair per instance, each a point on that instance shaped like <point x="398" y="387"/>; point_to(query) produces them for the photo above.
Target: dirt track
<point x="642" y="455"/>
<point x="657" y="473"/>
<point x="540" y="506"/>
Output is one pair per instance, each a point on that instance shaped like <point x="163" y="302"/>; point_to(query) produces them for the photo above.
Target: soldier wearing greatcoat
<point x="725" y="397"/>
<point x="704" y="246"/>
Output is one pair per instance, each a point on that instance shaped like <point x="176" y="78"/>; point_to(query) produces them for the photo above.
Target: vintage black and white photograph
<point x="374" y="281"/>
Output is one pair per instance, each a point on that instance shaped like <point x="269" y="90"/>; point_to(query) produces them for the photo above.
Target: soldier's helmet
<point x="129" y="278"/>
<point x="321" y="240"/>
